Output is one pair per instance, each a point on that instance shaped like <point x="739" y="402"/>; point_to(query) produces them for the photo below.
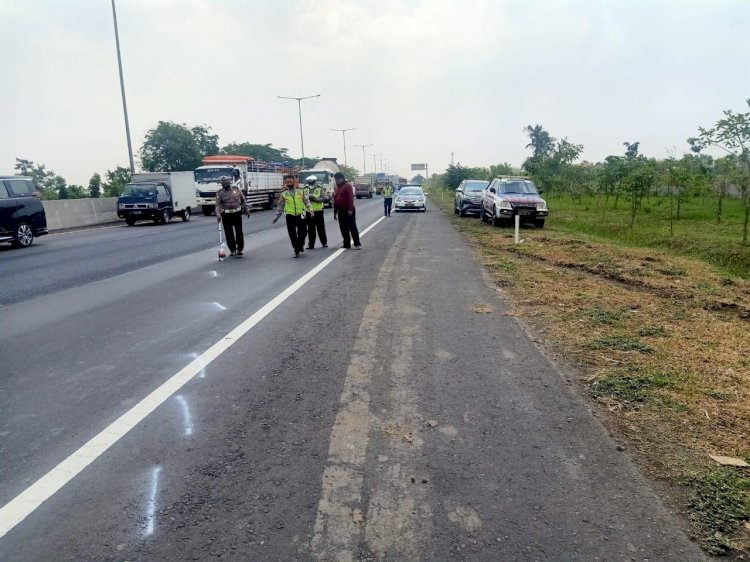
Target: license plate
<point x="526" y="212"/>
<point x="409" y="204"/>
<point x="137" y="212"/>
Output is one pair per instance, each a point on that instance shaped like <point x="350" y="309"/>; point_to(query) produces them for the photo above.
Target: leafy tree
<point x="610" y="176"/>
<point x="418" y="179"/>
<point x="727" y="172"/>
<point x="639" y="182"/>
<point x="542" y="143"/>
<point x="457" y="173"/>
<point x="116" y="180"/>
<point x="95" y="186"/>
<point x="348" y="171"/>
<point x="170" y="147"/>
<point x="503" y="169"/>
<point x="208" y="144"/>
<point x="732" y="135"/>
<point x="77" y="192"/>
<point x="40" y="174"/>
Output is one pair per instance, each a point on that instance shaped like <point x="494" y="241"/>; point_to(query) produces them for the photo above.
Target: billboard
<point x="415" y="167"/>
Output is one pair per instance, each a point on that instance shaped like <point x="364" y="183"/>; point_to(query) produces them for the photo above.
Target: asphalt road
<point x="367" y="414"/>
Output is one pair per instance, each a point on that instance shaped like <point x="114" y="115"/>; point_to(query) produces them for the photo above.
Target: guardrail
<point x="73" y="213"/>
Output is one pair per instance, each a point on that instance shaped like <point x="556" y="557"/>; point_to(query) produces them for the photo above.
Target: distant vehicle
<point x="157" y="196"/>
<point x="22" y="215"/>
<point x="469" y="197"/>
<point x="261" y="183"/>
<point x="323" y="172"/>
<point x="411" y="198"/>
<point x="507" y="196"/>
<point x="363" y="187"/>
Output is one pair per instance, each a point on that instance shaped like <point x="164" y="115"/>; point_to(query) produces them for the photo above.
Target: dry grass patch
<point x="663" y="345"/>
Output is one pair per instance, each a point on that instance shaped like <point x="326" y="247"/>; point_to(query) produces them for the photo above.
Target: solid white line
<point x="17" y="509"/>
<point x="185" y="414"/>
<point x="151" y="505"/>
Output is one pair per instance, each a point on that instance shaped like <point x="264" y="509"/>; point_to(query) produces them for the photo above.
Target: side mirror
<point x="459" y="190"/>
<point x="492" y="190"/>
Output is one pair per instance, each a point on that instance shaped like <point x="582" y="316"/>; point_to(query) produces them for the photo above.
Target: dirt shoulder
<point x="660" y="343"/>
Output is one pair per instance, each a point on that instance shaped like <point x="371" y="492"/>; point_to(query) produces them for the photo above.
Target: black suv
<point x="469" y="197"/>
<point x="22" y="214"/>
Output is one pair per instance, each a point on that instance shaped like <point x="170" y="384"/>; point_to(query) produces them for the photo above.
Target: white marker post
<point x="518" y="228"/>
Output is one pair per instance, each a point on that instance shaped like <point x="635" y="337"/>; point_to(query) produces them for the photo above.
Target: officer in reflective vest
<point x="294" y="203"/>
<point x="315" y="220"/>
<point x="387" y="199"/>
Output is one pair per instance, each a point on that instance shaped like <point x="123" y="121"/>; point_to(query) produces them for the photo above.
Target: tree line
<point x="168" y="147"/>
<point x="631" y="177"/>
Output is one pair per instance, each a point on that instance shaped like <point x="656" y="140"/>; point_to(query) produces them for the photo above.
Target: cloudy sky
<point x="418" y="78"/>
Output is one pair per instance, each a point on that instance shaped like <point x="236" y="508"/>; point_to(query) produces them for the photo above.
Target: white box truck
<point x="323" y="172"/>
<point x="157" y="196"/>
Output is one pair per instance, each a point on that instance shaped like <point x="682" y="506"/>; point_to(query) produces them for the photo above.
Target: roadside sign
<point x="415" y="167"/>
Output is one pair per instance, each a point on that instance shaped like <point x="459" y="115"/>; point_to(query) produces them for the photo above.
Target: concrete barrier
<point x="72" y="213"/>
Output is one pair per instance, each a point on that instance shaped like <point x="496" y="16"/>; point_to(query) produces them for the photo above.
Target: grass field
<point x="658" y="329"/>
<point x="696" y="232"/>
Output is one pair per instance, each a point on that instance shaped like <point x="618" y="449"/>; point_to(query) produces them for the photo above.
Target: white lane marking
<point x="17" y="509"/>
<point x="213" y="273"/>
<point x="185" y="414"/>
<point x="151" y="505"/>
<point x="219" y="305"/>
<point x="202" y="374"/>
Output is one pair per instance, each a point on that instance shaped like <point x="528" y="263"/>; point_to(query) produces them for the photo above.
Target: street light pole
<point x="122" y="90"/>
<point x="364" y="162"/>
<point x="343" y="134"/>
<point x="299" y="107"/>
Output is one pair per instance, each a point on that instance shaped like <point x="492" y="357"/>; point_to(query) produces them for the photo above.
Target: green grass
<point x="604" y="316"/>
<point x="696" y="233"/>
<point x="621" y="343"/>
<point x="628" y="389"/>
<point x="720" y="502"/>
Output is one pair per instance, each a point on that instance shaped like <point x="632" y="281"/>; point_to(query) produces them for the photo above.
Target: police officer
<point x="387" y="199"/>
<point x="315" y="220"/>
<point x="293" y="202"/>
<point x="230" y="204"/>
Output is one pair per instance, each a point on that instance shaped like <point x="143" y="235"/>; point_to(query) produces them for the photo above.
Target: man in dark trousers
<point x="387" y="199"/>
<point x="316" y="219"/>
<point x="294" y="203"/>
<point x="344" y="212"/>
<point x="230" y="204"/>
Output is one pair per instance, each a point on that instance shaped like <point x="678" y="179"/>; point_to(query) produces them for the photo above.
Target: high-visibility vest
<point x="318" y="194"/>
<point x="294" y="203"/>
<point x="388" y="192"/>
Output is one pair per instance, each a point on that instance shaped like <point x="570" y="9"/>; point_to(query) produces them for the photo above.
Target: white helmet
<point x="311" y="180"/>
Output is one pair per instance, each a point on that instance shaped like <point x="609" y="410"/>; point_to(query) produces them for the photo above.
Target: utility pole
<point x="374" y="170"/>
<point x="299" y="107"/>
<point x="122" y="90"/>
<point x="343" y="134"/>
<point x="364" y="162"/>
<point x="451" y="158"/>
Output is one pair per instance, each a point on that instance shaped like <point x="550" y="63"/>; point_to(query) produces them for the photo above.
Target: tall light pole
<point x="122" y="89"/>
<point x="343" y="133"/>
<point x="381" y="164"/>
<point x="364" y="162"/>
<point x="374" y="170"/>
<point x="299" y="107"/>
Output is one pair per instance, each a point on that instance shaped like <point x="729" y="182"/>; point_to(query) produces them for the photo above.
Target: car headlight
<point x="542" y="206"/>
<point x="505" y="205"/>
<point x="152" y="206"/>
<point x="120" y="206"/>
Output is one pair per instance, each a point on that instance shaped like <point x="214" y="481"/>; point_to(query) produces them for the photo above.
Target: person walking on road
<point x="343" y="208"/>
<point x="230" y="205"/>
<point x="294" y="203"/>
<point x="316" y="219"/>
<point x="387" y="200"/>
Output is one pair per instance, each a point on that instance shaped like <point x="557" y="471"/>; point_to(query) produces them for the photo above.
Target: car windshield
<point x="140" y="190"/>
<point x="322" y="177"/>
<point x="518" y="187"/>
<point x="207" y="175"/>
<point x="475" y="185"/>
<point x="410" y="191"/>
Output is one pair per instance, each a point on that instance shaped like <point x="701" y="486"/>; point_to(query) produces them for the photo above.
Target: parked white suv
<point x="507" y="196"/>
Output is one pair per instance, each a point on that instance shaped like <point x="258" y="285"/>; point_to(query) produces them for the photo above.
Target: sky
<point x="419" y="79"/>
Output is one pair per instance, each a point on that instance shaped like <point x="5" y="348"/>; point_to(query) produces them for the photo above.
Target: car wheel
<point x="461" y="213"/>
<point x="495" y="221"/>
<point x="539" y="224"/>
<point x="455" y="209"/>
<point x="24" y="235"/>
<point x="186" y="215"/>
<point x="166" y="216"/>
<point x="130" y="222"/>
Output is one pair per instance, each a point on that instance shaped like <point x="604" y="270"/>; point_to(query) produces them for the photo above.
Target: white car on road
<point x="411" y="198"/>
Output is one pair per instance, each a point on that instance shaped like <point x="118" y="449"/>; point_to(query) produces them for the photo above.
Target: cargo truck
<point x="157" y="196"/>
<point x="363" y="186"/>
<point x="261" y="183"/>
<point x="323" y="172"/>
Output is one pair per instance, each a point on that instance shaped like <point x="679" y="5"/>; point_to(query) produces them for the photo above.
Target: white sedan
<point x="411" y="198"/>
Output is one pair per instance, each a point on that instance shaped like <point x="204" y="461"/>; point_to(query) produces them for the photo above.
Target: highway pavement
<point x="156" y="404"/>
